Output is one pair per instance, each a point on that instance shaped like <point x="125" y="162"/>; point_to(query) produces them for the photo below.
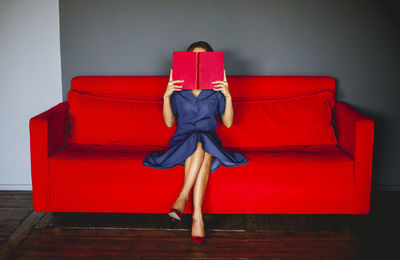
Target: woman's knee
<point x="207" y="158"/>
<point x="199" y="147"/>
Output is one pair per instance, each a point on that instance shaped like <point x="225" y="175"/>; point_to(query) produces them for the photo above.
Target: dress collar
<point x="203" y="94"/>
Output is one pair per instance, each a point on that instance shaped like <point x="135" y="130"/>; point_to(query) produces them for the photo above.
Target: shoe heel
<point x="175" y="214"/>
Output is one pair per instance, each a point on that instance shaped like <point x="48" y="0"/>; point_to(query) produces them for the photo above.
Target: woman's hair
<point x="201" y="44"/>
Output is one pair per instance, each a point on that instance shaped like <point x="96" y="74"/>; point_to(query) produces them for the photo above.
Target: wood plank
<point x="16" y="212"/>
<point x="123" y="236"/>
<point x="19" y="234"/>
<point x="45" y="221"/>
<point x="123" y="243"/>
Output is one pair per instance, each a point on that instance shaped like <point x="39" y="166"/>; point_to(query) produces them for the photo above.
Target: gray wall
<point x="30" y="73"/>
<point x="357" y="42"/>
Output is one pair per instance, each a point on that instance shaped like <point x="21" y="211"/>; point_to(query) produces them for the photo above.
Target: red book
<point x="197" y="69"/>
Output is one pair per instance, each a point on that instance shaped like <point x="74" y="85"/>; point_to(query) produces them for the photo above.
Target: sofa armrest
<point x="47" y="134"/>
<point x="355" y="133"/>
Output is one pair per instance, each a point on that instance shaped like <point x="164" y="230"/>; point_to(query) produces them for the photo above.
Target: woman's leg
<point x="192" y="167"/>
<point x="198" y="195"/>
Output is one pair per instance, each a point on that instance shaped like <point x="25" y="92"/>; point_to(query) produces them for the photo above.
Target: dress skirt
<point x="184" y="146"/>
<point x="196" y="120"/>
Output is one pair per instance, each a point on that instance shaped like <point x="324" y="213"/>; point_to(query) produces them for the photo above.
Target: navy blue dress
<point x="196" y="122"/>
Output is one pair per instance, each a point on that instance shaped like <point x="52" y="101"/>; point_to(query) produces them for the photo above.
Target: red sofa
<point x="87" y="152"/>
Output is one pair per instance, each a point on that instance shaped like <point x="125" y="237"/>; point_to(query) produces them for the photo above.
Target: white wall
<point x="30" y="80"/>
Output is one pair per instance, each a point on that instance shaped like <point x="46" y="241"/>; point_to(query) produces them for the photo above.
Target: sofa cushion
<point x="87" y="165"/>
<point x="289" y="180"/>
<point x="299" y="120"/>
<point x="111" y="120"/>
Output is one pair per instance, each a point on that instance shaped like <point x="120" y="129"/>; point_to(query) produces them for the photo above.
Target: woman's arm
<point x="227" y="116"/>
<point x="169" y="117"/>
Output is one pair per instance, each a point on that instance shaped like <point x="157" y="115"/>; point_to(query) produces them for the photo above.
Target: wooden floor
<point x="25" y="234"/>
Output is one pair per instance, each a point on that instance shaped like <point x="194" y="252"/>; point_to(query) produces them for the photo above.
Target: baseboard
<point x="15" y="186"/>
<point x="388" y="187"/>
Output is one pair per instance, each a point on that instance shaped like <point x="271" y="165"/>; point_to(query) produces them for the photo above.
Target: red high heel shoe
<point x="175" y="214"/>
<point x="198" y="240"/>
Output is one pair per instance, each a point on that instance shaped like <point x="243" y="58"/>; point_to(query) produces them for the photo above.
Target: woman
<point x="195" y="144"/>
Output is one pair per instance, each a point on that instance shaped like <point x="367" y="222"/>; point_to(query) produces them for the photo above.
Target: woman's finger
<point x="175" y="87"/>
<point x="171" y="83"/>
<point x="219" y="81"/>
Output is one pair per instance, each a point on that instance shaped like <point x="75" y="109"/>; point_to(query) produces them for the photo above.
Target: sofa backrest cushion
<point x="119" y="121"/>
<point x="298" y="120"/>
<point x="241" y="87"/>
<point x="269" y="110"/>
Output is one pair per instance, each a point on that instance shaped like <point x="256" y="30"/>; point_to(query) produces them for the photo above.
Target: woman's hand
<point x="171" y="87"/>
<point x="224" y="87"/>
<point x="227" y="116"/>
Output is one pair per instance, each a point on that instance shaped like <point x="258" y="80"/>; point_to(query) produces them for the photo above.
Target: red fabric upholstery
<point x="87" y="165"/>
<point x="241" y="87"/>
<point x="299" y="120"/>
<point x="356" y="134"/>
<point x="109" y="120"/>
<point x="311" y="169"/>
<point x="47" y="133"/>
<point x="288" y="179"/>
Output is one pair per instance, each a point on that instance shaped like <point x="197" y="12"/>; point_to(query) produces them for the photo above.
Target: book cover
<point x="197" y="69"/>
